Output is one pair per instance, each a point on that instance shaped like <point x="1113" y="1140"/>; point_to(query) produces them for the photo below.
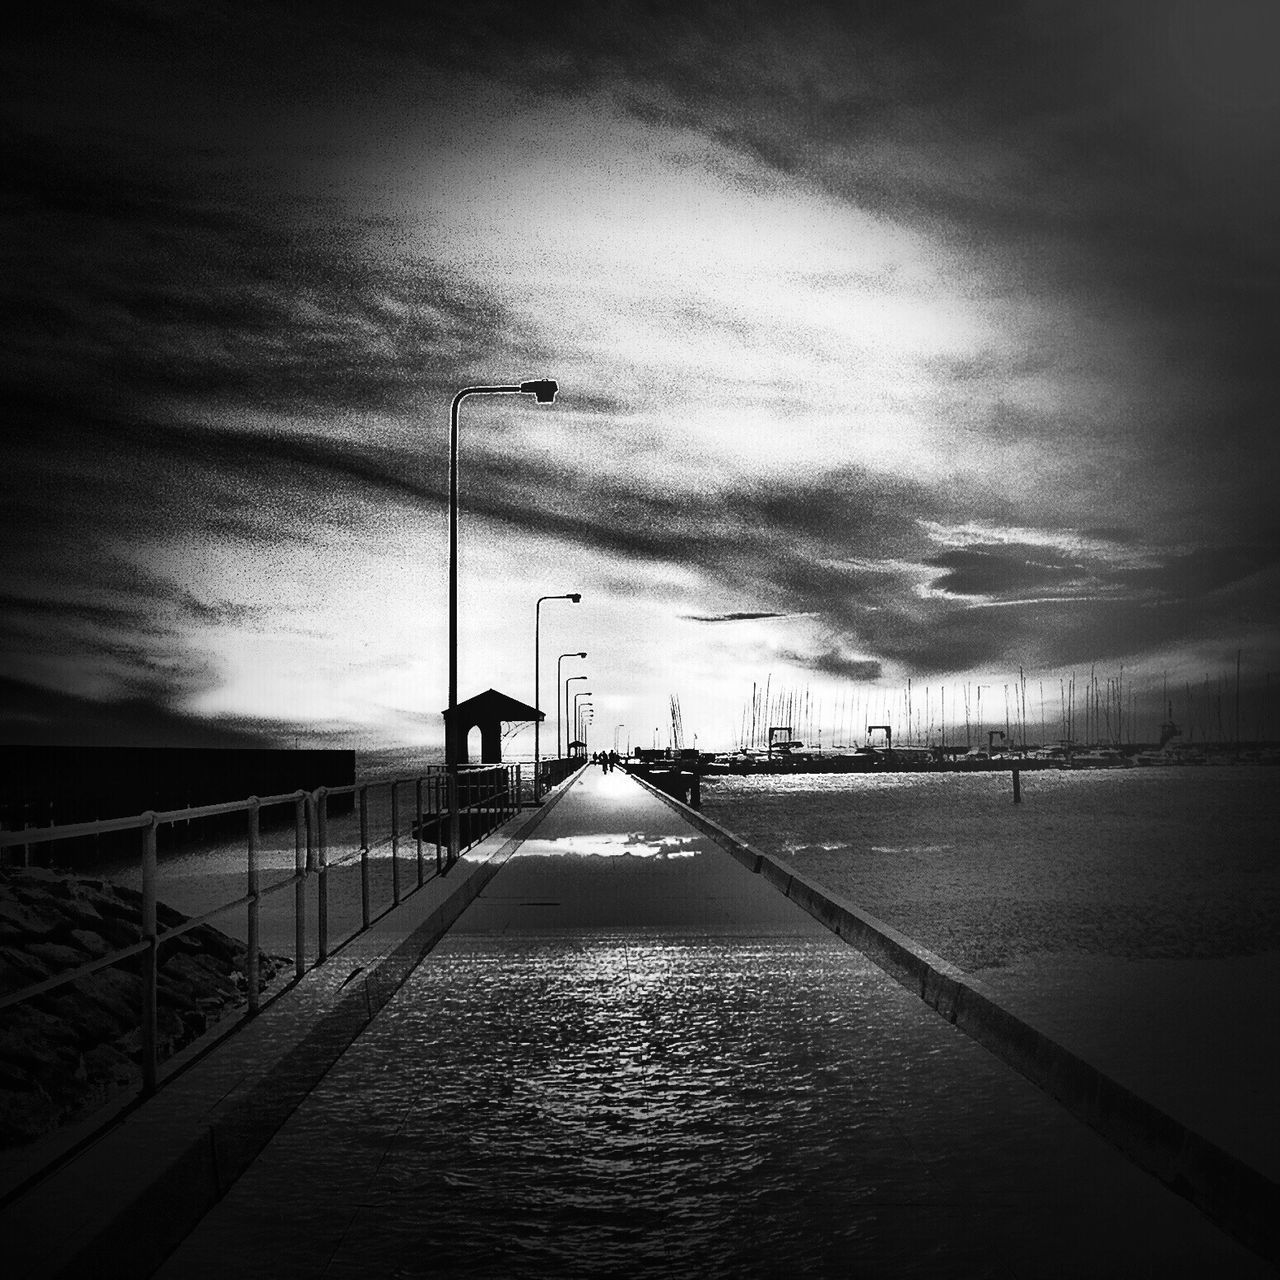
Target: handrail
<point x="72" y="831"/>
<point x="492" y="795"/>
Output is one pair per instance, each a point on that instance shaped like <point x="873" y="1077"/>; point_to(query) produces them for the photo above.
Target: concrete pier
<point x="629" y="1054"/>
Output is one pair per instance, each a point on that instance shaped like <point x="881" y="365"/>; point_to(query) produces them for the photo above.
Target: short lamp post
<point x="574" y="597"/>
<point x="577" y="716"/>
<point x="568" y="719"/>
<point x="543" y="391"/>
<point x="559" y="682"/>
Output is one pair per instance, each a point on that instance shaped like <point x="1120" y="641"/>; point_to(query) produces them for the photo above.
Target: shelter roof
<point x="497" y="706"/>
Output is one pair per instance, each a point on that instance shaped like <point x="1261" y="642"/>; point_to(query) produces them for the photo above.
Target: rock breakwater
<point x="71" y="1049"/>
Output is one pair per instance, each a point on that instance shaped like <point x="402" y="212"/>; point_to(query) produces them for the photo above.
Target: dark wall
<point x="40" y="785"/>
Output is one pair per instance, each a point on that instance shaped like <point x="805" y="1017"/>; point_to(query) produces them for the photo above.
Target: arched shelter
<point x="487" y="711"/>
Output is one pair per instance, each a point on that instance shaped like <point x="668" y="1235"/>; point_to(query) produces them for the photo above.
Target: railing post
<point x="435" y="787"/>
<point x="251" y="960"/>
<point x="364" y="857"/>
<point x="514" y="803"/>
<point x="322" y="877"/>
<point x="395" y="843"/>
<point x="453" y="851"/>
<point x="301" y="848"/>
<point x="150" y="957"/>
<point x="417" y="804"/>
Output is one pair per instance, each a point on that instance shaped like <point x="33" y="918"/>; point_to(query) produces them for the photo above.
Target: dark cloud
<point x="826" y="549"/>
<point x="1197" y="574"/>
<point x="832" y="662"/>
<point x="157" y="286"/>
<point x="729" y="617"/>
<point x="1089" y="160"/>
<point x="35" y="715"/>
<point x="1006" y="572"/>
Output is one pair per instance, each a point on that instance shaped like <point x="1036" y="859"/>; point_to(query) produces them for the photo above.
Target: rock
<point x="82" y="912"/>
<point x="32" y="968"/>
<point x="89" y="941"/>
<point x="116" y="993"/>
<point x="71" y="1048"/>
<point x="13" y="977"/>
<point x="25" y="1053"/>
<point x="93" y="1023"/>
<point x="57" y="955"/>
<point x="26" y="1114"/>
<point x="119" y="933"/>
<point x="19" y="919"/>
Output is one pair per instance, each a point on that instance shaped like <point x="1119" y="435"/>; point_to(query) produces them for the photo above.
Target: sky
<point x="900" y="345"/>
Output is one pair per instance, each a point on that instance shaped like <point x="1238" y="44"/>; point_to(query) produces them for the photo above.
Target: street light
<point x="543" y="391"/>
<point x="559" y="660"/>
<point x="575" y="597"/>
<point x="568" y="721"/>
<point x="615" y="735"/>
<point x="586" y="717"/>
<point x="586" y="693"/>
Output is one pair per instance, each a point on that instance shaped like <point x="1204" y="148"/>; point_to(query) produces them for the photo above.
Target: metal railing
<point x="382" y="821"/>
<point x="557" y="769"/>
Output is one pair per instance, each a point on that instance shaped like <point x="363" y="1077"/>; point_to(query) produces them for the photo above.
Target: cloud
<point x="1005" y="573"/>
<point x="730" y="617"/>
<point x="34" y="715"/>
<point x="833" y="662"/>
<point x="874" y="316"/>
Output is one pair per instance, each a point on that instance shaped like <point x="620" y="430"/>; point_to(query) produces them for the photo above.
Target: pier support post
<point x="1017" y="787"/>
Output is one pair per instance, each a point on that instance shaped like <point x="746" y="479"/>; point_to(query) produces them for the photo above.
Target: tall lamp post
<point x="615" y="735"/>
<point x="543" y="391"/>
<point x="568" y="720"/>
<point x="573" y="596"/>
<point x="559" y="660"/>
<point x="586" y="693"/>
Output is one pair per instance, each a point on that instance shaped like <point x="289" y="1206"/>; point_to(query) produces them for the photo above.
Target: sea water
<point x="1132" y="914"/>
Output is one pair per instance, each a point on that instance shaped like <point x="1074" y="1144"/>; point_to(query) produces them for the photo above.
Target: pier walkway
<point x="631" y="1056"/>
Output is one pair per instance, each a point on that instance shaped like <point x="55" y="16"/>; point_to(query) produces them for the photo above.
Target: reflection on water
<point x="660" y="1104"/>
<point x="633" y="844"/>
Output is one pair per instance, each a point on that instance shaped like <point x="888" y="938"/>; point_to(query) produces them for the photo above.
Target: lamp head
<point x="575" y="596"/>
<point x="582" y="655"/>
<point x="543" y="390"/>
